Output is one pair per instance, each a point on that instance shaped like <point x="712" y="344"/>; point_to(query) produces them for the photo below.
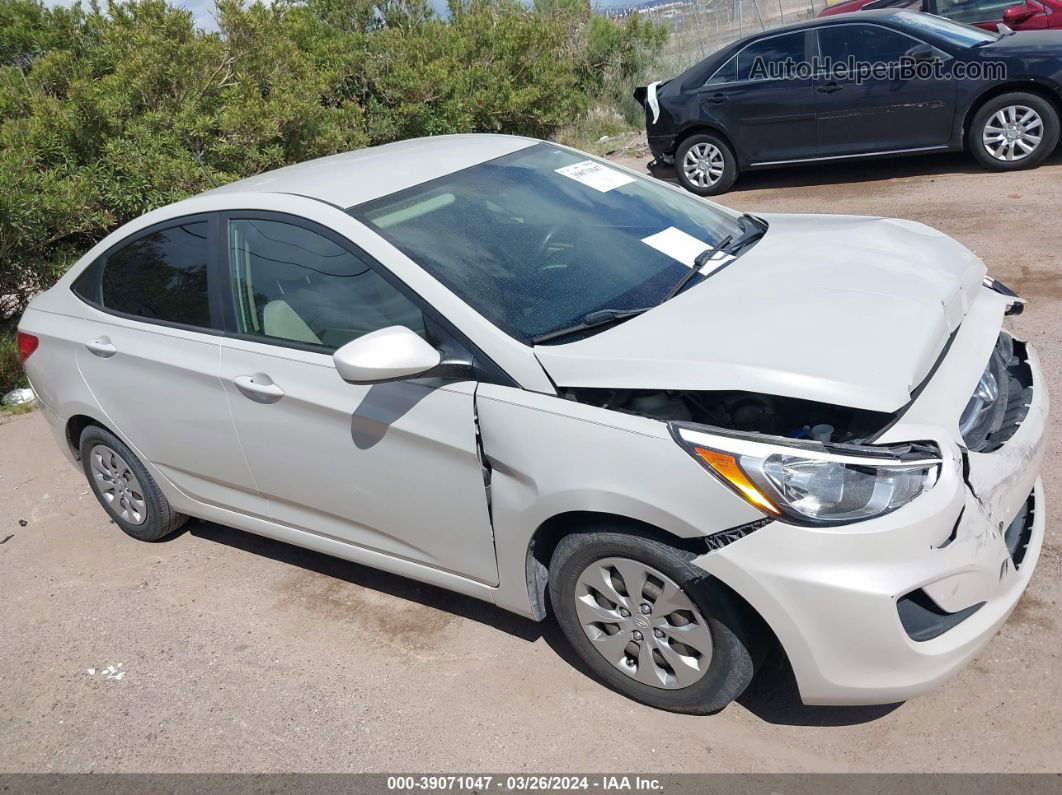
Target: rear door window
<point x="767" y="59"/>
<point x="160" y="276"/>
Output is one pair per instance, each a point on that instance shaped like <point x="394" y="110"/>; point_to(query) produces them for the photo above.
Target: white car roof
<point x="354" y="177"/>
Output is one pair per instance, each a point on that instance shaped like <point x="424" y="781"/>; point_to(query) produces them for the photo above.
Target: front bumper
<point x="830" y="594"/>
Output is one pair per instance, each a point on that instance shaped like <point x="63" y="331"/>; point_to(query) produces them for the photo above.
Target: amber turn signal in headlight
<point x="726" y="466"/>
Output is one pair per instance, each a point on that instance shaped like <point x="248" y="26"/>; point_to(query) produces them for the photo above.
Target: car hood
<point x="1025" y="41"/>
<point x="846" y="310"/>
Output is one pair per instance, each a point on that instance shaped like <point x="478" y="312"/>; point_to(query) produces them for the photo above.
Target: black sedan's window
<point x="765" y="59"/>
<point x="727" y="73"/>
<point x="863" y="44"/>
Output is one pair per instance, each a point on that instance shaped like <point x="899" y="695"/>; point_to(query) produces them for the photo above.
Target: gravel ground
<point x="221" y="651"/>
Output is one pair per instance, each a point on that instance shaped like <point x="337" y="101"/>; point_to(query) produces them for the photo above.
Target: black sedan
<point x="868" y="84"/>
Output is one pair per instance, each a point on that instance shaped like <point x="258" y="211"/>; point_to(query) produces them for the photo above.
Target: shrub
<point x="106" y="114"/>
<point x="12" y="375"/>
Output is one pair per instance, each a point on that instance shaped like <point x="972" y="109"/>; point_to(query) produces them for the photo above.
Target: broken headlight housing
<point x="811" y="482"/>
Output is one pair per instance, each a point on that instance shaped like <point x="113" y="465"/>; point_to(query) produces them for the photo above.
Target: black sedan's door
<point x="767" y="111"/>
<point x="864" y="113"/>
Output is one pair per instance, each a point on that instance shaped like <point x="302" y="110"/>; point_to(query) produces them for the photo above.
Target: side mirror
<point x="389" y="354"/>
<point x="922" y="53"/>
<point x="1015" y="15"/>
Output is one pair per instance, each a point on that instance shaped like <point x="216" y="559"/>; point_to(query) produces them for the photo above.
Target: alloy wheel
<point x="703" y="164"/>
<point x="1013" y="133"/>
<point x="118" y="484"/>
<point x="643" y="623"/>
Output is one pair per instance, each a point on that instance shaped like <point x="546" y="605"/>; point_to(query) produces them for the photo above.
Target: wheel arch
<point x="549" y="534"/>
<point x="707" y="128"/>
<point x="75" y="426"/>
<point x="1045" y="92"/>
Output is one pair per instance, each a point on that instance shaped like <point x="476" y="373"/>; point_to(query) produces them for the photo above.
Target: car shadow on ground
<point x="366" y="577"/>
<point x="817" y="174"/>
<point x="772" y="696"/>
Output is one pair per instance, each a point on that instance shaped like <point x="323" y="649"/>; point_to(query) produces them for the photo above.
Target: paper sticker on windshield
<point x="679" y="246"/>
<point x="595" y="175"/>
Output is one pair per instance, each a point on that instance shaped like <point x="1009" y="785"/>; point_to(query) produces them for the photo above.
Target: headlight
<point x="811" y="482"/>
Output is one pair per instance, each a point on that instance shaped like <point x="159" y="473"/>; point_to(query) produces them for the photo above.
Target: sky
<point x="202" y="10"/>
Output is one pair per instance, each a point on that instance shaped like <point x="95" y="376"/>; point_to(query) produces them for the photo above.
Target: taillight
<point x="27" y="344"/>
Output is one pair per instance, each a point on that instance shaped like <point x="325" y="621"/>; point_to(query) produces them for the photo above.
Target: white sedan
<point x="511" y="370"/>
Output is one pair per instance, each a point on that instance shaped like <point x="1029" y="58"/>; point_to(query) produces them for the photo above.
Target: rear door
<point x="860" y="111"/>
<point x="756" y="97"/>
<point x="149" y="350"/>
<point x="391" y="467"/>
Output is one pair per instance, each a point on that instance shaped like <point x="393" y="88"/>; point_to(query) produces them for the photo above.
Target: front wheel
<point x="706" y="165"/>
<point x="1014" y="131"/>
<point x="650" y="624"/>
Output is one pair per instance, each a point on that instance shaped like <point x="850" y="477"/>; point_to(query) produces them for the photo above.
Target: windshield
<point x="953" y="32"/>
<point x="536" y="240"/>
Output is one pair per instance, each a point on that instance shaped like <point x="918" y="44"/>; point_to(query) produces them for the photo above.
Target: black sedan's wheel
<point x="648" y="623"/>
<point x="705" y="165"/>
<point x="1014" y="131"/>
<point x="125" y="488"/>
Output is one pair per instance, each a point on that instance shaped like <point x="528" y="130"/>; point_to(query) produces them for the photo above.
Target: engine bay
<point x="742" y="411"/>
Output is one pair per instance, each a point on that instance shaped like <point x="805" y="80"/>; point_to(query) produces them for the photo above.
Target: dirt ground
<point x="221" y="651"/>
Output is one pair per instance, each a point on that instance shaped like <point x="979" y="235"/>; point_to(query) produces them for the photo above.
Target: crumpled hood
<point x="847" y="310"/>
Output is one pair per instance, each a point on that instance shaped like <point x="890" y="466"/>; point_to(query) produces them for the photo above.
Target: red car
<point x="1027" y="15"/>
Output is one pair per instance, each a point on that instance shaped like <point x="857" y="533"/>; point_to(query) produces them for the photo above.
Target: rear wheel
<point x="1014" y="131"/>
<point x="650" y="624"/>
<point x="705" y="165"/>
<point x="125" y="488"/>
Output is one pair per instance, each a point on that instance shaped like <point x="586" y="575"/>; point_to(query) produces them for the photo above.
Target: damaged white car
<point x="511" y="370"/>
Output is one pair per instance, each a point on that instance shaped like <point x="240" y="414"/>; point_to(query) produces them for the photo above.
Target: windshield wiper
<point x="698" y="262"/>
<point x="599" y="317"/>
<point x="752" y="229"/>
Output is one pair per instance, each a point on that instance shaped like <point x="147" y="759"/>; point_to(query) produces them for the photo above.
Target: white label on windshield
<point x="595" y="175"/>
<point x="680" y="246"/>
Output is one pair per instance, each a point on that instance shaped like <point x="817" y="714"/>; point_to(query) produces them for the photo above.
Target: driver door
<point x="392" y="467"/>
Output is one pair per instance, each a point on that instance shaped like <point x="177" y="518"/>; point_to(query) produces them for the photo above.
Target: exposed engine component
<point x="742" y="411"/>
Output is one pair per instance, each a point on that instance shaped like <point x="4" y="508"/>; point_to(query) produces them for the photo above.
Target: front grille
<point x="1001" y="400"/>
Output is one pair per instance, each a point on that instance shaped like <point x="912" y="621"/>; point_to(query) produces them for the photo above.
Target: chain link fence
<point x="700" y="27"/>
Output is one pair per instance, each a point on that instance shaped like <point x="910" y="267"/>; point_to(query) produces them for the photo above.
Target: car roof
<point x="351" y="178"/>
<point x="864" y="15"/>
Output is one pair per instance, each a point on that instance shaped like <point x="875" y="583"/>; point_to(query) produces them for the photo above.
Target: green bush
<point x="108" y="113"/>
<point x="12" y="375"/>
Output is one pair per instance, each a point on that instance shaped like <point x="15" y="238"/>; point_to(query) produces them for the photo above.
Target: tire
<point x="1012" y="108"/>
<point x="715" y="151"/>
<point x="724" y="666"/>
<point x="125" y="488"/>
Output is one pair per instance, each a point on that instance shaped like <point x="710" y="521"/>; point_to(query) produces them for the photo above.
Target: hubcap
<point x="643" y="623"/>
<point x="703" y="165"/>
<point x="1013" y="133"/>
<point x="117" y="484"/>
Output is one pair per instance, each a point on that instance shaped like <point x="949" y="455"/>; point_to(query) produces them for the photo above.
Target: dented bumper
<point x="883" y="610"/>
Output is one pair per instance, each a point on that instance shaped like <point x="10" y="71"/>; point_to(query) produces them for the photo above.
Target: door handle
<point x="715" y="99"/>
<point x="830" y="87"/>
<point x="102" y="347"/>
<point x="258" y="387"/>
